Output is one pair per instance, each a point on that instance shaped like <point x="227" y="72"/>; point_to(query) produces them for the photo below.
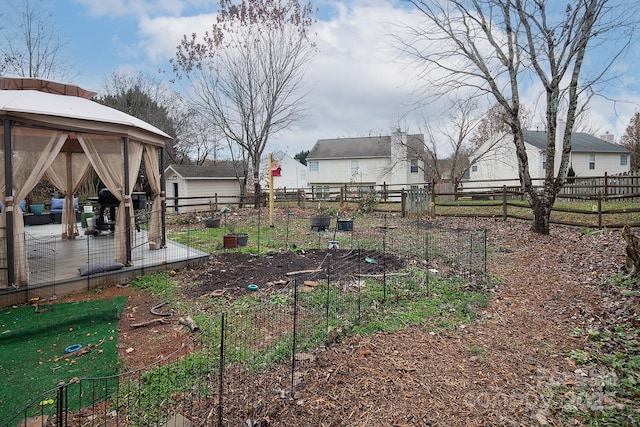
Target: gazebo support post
<point x="8" y="206"/>
<point x="127" y="198"/>
<point x="163" y="199"/>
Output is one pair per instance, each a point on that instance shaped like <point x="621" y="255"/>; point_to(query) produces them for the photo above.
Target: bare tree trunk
<point x="541" y="216"/>
<point x="256" y="196"/>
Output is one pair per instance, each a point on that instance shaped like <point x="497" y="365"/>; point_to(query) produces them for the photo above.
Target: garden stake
<point x="221" y="368"/>
<point x="295" y="330"/>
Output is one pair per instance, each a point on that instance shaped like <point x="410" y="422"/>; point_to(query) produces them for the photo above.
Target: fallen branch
<point x="295" y="273"/>
<point x="377" y="276"/>
<point x="150" y="322"/>
<point x="188" y="321"/>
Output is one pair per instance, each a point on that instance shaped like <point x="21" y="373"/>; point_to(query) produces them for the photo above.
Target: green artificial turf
<point x="33" y="343"/>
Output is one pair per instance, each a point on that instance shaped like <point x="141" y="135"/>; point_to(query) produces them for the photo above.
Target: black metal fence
<point x="250" y="358"/>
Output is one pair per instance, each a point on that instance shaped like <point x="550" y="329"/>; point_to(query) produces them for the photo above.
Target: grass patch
<point x="583" y="213"/>
<point x="32" y="348"/>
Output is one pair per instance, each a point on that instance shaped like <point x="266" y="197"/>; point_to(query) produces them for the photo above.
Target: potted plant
<point x="230" y="238"/>
<point x="321" y="221"/>
<point x="344" y="224"/>
<point x="214" y="221"/>
<point x="39" y="196"/>
<point x="242" y="239"/>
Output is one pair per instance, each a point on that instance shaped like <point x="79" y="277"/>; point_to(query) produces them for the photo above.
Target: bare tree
<point x="30" y="47"/>
<point x="247" y="72"/>
<point x="204" y="141"/>
<point x="152" y="101"/>
<point x="631" y="140"/>
<point x="497" y="48"/>
<point x="464" y="135"/>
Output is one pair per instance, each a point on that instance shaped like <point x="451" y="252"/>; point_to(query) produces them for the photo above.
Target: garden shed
<point x="192" y="188"/>
<point x="54" y="129"/>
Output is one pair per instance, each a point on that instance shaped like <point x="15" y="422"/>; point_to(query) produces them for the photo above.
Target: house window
<point x="354" y="167"/>
<point x="544" y="161"/>
<point x="592" y="161"/>
<point x="474" y="168"/>
<point x="313" y="166"/>
<point x="624" y="160"/>
<point x="414" y="165"/>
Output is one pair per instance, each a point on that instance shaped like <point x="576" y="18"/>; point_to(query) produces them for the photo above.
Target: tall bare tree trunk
<point x="541" y="216"/>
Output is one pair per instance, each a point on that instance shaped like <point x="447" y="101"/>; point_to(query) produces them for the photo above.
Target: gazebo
<point x="54" y="130"/>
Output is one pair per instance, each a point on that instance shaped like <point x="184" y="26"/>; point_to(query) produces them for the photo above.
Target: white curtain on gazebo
<point x="66" y="173"/>
<point x="135" y="158"/>
<point x="106" y="154"/>
<point x="33" y="152"/>
<point x="152" y="163"/>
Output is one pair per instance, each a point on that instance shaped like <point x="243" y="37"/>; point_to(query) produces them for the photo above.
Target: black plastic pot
<point x="320" y="222"/>
<point x="212" y="222"/>
<point x="242" y="239"/>
<point x="345" y="225"/>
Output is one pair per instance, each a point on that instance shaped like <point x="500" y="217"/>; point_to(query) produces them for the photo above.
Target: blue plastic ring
<point x="253" y="287"/>
<point x="73" y="348"/>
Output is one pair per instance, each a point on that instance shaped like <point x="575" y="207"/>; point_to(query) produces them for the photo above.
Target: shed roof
<point x="205" y="172"/>
<point x="361" y="147"/>
<point x="580" y="142"/>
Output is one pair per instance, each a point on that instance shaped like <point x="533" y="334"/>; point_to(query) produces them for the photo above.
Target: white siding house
<point x="293" y="174"/>
<point x="367" y="161"/>
<point x="200" y="184"/>
<point x="590" y="156"/>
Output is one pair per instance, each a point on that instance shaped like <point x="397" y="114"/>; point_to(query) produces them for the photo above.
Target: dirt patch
<point x="234" y="271"/>
<point x="142" y="346"/>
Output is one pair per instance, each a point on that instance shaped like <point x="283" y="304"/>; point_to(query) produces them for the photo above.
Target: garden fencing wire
<point x="249" y="359"/>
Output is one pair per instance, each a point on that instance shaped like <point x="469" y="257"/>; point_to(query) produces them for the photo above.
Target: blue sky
<point x="357" y="86"/>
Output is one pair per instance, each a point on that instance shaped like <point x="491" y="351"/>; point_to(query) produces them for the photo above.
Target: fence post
<point x="432" y="204"/>
<point x="295" y="331"/>
<point x="504" y="202"/>
<point x="61" y="404"/>
<point x="599" y="210"/>
<point x="221" y="368"/>
<point x="403" y="203"/>
<point x="384" y="261"/>
<point x="385" y="193"/>
<point x="606" y="184"/>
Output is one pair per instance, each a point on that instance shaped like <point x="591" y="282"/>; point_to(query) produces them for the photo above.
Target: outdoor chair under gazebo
<point x="55" y="130"/>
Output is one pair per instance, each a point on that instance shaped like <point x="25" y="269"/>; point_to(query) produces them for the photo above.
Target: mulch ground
<point x="491" y="373"/>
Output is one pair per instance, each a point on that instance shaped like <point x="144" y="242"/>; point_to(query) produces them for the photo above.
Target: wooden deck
<point x="54" y="262"/>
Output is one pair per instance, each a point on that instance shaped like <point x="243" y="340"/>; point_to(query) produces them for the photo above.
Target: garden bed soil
<point x="494" y="372"/>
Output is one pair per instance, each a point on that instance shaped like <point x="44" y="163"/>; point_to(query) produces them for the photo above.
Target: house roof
<point x="580" y="142"/>
<point x="362" y="147"/>
<point x="204" y="172"/>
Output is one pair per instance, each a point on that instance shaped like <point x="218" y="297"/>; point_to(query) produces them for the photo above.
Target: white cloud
<point x="357" y="85"/>
<point x="160" y="36"/>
